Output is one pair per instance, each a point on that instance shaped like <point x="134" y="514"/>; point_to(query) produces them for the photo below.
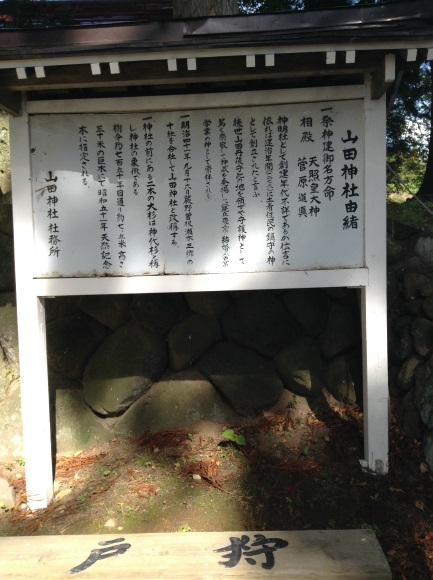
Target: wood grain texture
<point x="346" y="554"/>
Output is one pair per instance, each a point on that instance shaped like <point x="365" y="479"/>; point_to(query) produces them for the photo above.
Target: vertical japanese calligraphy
<point x="101" y="178"/>
<point x="283" y="177"/>
<point x="225" y="191"/>
<point x="187" y="186"/>
<point x="263" y="188"/>
<point x="118" y="153"/>
<point x="350" y="189"/>
<point x="238" y="129"/>
<point x="152" y="208"/>
<point x="173" y="226"/>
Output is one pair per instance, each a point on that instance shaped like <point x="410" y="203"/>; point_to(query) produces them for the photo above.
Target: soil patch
<point x="298" y="469"/>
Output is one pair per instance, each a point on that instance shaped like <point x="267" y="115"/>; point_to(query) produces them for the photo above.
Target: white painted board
<point x="265" y="188"/>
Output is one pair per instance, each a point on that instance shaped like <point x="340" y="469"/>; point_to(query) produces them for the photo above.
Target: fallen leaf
<point x="420" y="505"/>
<point x="423" y="468"/>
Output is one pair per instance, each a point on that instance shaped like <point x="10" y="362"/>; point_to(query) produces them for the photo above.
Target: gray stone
<point x="6" y="223"/>
<point x="6" y="377"/>
<point x="426" y="289"/>
<point x="346" y="296"/>
<point x="342" y="332"/>
<point x="208" y="303"/>
<point x="9" y="329"/>
<point x="424" y="248"/>
<point x="7" y="267"/>
<point x="310" y="307"/>
<point x="409" y="418"/>
<point x="123" y="368"/>
<point x="339" y="380"/>
<point x="11" y="438"/>
<point x="77" y="427"/>
<point x="7" y="495"/>
<point x="403" y="343"/>
<point x="412" y="282"/>
<point x="300" y="366"/>
<point x="414" y="307"/>
<point x="259" y="321"/>
<point x="246" y="379"/>
<point x="394" y="250"/>
<point x="422" y="335"/>
<point x="58" y="381"/>
<point x="71" y="341"/>
<point x="176" y="401"/>
<point x="406" y="375"/>
<point x="427" y="445"/>
<point x="190" y="339"/>
<point x="423" y="394"/>
<point x="427" y="307"/>
<point x="158" y="312"/>
<point x="111" y="311"/>
<point x="60" y="307"/>
<point x="5" y="165"/>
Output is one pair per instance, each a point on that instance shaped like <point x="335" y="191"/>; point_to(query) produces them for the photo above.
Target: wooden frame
<point x="31" y="292"/>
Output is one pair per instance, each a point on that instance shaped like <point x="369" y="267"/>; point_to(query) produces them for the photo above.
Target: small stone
<point x="196" y="477"/>
<point x="63" y="493"/>
<point x="110" y="523"/>
<point x="422" y="334"/>
<point x="7" y="494"/>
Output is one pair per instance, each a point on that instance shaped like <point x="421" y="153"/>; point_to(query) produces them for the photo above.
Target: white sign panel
<point x="266" y="188"/>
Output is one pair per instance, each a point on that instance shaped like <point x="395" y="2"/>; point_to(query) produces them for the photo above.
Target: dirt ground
<point x="298" y="469"/>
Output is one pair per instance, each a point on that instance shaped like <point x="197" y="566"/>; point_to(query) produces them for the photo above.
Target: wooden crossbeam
<point x="384" y="77"/>
<point x="328" y="554"/>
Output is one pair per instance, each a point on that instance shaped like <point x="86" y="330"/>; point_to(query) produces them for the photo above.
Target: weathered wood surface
<point x="346" y="554"/>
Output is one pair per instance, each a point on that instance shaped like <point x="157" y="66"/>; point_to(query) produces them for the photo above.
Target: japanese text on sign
<point x="270" y="188"/>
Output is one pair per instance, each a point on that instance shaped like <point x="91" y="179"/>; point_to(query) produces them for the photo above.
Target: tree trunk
<point x="193" y="8"/>
<point x="426" y="187"/>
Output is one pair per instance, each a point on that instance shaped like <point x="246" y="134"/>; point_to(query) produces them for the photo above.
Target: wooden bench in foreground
<point x="344" y="554"/>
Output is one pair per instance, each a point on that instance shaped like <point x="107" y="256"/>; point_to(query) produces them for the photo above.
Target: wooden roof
<point x="210" y="54"/>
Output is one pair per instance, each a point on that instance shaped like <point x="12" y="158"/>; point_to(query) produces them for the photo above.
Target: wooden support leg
<point x="31" y="328"/>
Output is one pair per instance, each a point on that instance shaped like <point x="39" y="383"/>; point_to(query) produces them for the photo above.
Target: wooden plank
<point x="383" y="78"/>
<point x="31" y="328"/>
<point x="200" y="282"/>
<point x="224" y="52"/>
<point x="191" y="101"/>
<point x="374" y="321"/>
<point x="208" y="70"/>
<point x="347" y="554"/>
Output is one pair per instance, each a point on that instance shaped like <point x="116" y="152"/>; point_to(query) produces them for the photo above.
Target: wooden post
<point x="31" y="327"/>
<point x="374" y="313"/>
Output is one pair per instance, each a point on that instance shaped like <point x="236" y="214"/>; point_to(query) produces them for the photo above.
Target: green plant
<point x="8" y="466"/>
<point x="234" y="437"/>
<point x="21" y="461"/>
<point x="144" y="462"/>
<point x="292" y="403"/>
<point x="184" y="528"/>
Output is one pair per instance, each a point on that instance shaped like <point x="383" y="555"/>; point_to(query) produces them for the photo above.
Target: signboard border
<point x="31" y="292"/>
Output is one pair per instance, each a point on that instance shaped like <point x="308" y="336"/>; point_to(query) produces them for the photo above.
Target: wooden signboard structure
<point x="222" y="190"/>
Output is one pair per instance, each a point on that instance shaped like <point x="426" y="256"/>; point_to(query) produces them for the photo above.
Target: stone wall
<point x="5" y="173"/>
<point x="410" y="330"/>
